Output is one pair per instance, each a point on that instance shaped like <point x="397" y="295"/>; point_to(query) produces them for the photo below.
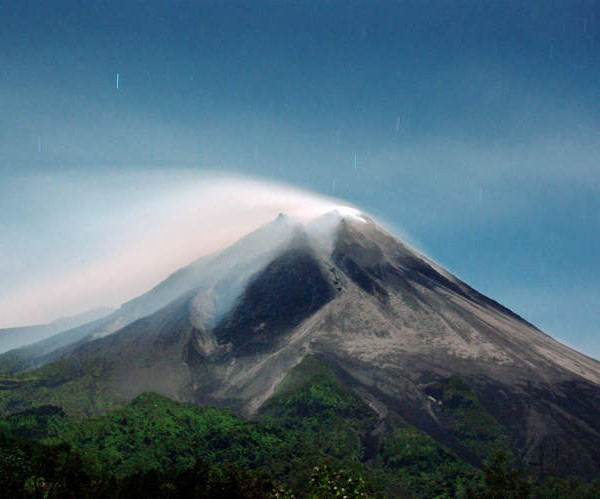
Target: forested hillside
<point x="313" y="438"/>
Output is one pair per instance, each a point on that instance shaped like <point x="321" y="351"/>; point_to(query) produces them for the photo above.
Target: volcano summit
<point x="418" y="346"/>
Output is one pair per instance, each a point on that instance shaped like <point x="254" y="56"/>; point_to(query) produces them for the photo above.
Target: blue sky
<point x="472" y="125"/>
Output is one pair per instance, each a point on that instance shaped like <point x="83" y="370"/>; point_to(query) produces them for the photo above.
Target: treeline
<point x="33" y="470"/>
<point x="313" y="438"/>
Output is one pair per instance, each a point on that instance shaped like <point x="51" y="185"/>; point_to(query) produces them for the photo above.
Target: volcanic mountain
<point x="394" y="327"/>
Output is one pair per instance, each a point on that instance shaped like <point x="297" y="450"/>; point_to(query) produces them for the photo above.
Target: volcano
<point x="397" y="330"/>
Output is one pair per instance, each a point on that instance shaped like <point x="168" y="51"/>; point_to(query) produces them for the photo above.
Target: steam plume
<point x="103" y="239"/>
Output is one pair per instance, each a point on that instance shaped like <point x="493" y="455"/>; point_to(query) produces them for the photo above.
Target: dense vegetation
<point x="74" y="385"/>
<point x="458" y="409"/>
<point x="314" y="438"/>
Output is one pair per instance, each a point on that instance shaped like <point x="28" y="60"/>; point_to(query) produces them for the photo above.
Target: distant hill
<point x="17" y="337"/>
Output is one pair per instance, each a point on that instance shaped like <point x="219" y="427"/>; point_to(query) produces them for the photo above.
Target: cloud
<point x="79" y="241"/>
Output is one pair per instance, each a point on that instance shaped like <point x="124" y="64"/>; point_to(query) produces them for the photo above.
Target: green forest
<point x="313" y="438"/>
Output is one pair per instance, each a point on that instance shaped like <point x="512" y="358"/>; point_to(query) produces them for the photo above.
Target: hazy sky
<point x="472" y="125"/>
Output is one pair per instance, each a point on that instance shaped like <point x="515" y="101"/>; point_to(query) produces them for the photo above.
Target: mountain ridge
<point x="389" y="324"/>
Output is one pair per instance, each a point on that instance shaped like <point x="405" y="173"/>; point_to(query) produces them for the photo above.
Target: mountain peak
<point x="346" y="213"/>
<point x="352" y="214"/>
<point x="228" y="328"/>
